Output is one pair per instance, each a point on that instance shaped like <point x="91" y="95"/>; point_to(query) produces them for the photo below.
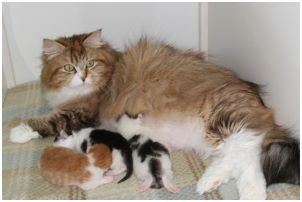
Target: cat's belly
<point x="188" y="134"/>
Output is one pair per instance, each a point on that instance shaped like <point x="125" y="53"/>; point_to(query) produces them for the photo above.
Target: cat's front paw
<point x="22" y="133"/>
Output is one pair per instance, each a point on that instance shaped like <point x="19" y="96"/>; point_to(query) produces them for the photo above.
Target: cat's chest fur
<point x="55" y="98"/>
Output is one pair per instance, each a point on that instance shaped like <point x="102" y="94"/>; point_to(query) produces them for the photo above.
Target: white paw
<point x="251" y="183"/>
<point x="169" y="185"/>
<point x="22" y="133"/>
<point x="208" y="184"/>
<point x="116" y="171"/>
<point x="252" y="193"/>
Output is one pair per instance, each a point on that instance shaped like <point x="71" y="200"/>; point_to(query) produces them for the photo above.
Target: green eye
<point x="68" y="67"/>
<point x="90" y="64"/>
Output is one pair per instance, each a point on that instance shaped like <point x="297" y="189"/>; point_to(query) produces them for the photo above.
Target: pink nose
<point x="83" y="78"/>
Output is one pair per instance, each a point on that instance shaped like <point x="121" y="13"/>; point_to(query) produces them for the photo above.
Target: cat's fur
<point x="75" y="95"/>
<point x="152" y="164"/>
<point x="191" y="104"/>
<point x="151" y="159"/>
<point x="119" y="146"/>
<point x="64" y="166"/>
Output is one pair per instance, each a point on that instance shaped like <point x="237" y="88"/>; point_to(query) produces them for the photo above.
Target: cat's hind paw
<point x="22" y="133"/>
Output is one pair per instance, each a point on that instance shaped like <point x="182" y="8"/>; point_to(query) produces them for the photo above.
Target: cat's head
<point x="79" y="64"/>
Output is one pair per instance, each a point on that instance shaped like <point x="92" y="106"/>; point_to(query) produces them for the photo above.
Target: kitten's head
<point x="81" y="62"/>
<point x="64" y="140"/>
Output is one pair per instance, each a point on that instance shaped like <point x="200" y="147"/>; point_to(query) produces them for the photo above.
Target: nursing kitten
<point x="152" y="164"/>
<point x="76" y="71"/>
<point x="64" y="166"/>
<point x="119" y="147"/>
<point x="151" y="159"/>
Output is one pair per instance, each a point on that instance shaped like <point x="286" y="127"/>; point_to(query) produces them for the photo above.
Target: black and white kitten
<point x="152" y="164"/>
<point x="119" y="146"/>
<point x="151" y="160"/>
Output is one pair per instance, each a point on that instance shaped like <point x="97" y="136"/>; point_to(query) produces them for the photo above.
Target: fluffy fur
<point x="121" y="152"/>
<point x="63" y="166"/>
<point x="177" y="92"/>
<point x="151" y="159"/>
<point x="74" y="91"/>
<point x="189" y="103"/>
<point x="152" y="164"/>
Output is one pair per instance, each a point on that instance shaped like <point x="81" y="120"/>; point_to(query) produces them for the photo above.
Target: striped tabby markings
<point x="75" y="193"/>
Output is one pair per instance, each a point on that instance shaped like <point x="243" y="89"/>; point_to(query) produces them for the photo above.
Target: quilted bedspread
<point x="21" y="178"/>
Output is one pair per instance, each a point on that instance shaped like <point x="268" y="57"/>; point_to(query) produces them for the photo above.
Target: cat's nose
<point x="83" y="78"/>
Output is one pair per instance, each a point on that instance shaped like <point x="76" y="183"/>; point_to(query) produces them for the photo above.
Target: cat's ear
<point x="94" y="40"/>
<point x="52" y="48"/>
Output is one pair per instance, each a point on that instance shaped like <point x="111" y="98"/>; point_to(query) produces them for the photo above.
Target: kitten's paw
<point x="169" y="185"/>
<point x="22" y="133"/>
<point x="107" y="179"/>
<point x="116" y="171"/>
<point x="145" y="185"/>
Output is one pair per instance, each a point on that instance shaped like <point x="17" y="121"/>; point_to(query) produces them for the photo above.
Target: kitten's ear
<point x="63" y="134"/>
<point x="52" y="48"/>
<point x="140" y="116"/>
<point x="94" y="40"/>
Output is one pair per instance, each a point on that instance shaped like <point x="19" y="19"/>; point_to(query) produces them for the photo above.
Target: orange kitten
<point x="63" y="166"/>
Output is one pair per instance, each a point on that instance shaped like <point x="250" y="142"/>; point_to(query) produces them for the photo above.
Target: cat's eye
<point x="90" y="64"/>
<point x="68" y="67"/>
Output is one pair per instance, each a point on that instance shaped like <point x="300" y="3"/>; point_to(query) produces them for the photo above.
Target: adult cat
<point x="190" y="104"/>
<point x="75" y="75"/>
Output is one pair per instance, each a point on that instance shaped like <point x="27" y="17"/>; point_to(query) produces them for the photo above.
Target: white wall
<point x="28" y="23"/>
<point x="260" y="41"/>
<point x="4" y="86"/>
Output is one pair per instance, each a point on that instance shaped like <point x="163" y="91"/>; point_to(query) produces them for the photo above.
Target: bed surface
<point x="21" y="178"/>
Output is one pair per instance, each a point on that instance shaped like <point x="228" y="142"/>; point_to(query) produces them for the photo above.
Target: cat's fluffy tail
<point x="281" y="157"/>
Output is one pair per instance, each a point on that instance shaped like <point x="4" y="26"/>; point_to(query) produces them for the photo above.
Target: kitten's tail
<point x="127" y="156"/>
<point x="156" y="171"/>
<point x="280" y="157"/>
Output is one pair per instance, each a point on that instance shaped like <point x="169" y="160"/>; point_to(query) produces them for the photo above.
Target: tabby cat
<point x="191" y="104"/>
<point x="76" y="71"/>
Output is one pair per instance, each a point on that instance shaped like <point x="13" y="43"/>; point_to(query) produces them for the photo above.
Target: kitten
<point x="152" y="164"/>
<point x="75" y="75"/>
<point x="119" y="146"/>
<point x="151" y="159"/>
<point x="64" y="166"/>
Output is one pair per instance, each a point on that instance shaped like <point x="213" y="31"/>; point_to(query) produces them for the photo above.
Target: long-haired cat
<point x="190" y="104"/>
<point x="76" y="71"/>
<point x="64" y="166"/>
